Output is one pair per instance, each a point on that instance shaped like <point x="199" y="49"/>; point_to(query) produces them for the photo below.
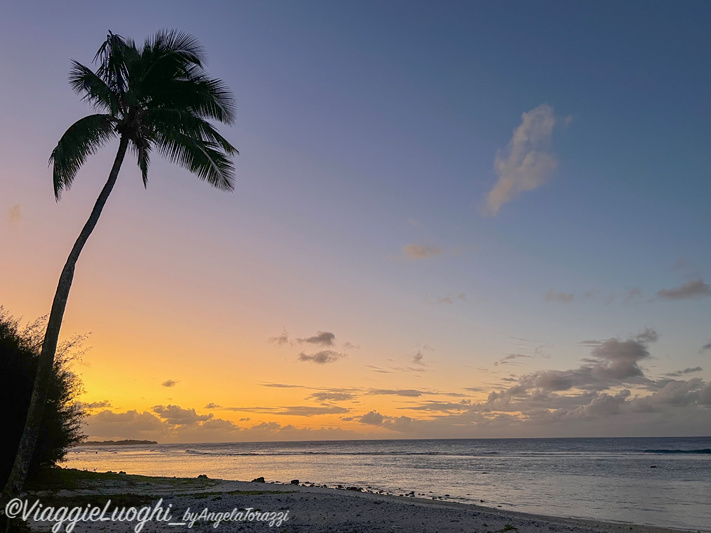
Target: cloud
<point x="293" y="410"/>
<point x="619" y="359"/>
<point x="130" y="424"/>
<point x="145" y="425"/>
<point x="95" y="405"/>
<point x="321" y="358"/>
<point x="169" y="383"/>
<point x="417" y="251"/>
<point x="379" y="370"/>
<point x="705" y="347"/>
<point x="633" y="295"/>
<point x="690" y="289"/>
<point x="311" y="410"/>
<point x="175" y="415"/>
<point x="448" y="299"/>
<point x="673" y="393"/>
<point x="322" y="338"/>
<point x="648" y="335"/>
<point x="418" y="358"/>
<point x="602" y="405"/>
<point x="409" y="393"/>
<point x="527" y="163"/>
<point x="560" y="297"/>
<point x="442" y="407"/>
<point x="612" y="362"/>
<point x="680" y="373"/>
<point x="511" y="359"/>
<point x="14" y="215"/>
<point x="372" y="418"/>
<point x="333" y="396"/>
<point x="280" y="340"/>
<point x="212" y="406"/>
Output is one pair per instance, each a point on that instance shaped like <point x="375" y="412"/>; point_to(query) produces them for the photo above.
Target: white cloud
<point x="527" y="163"/>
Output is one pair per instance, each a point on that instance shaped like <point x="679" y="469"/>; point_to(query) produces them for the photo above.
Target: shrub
<point x="61" y="423"/>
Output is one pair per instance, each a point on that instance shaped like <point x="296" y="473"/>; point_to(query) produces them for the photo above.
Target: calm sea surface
<point x="654" y="481"/>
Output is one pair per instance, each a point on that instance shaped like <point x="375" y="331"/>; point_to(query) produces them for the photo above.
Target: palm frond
<point x="204" y="159"/>
<point x="180" y="121"/>
<point x="87" y="83"/>
<point x="142" y="148"/>
<point x="113" y="57"/>
<point x="207" y="97"/>
<point x="82" y="139"/>
<point x="173" y="42"/>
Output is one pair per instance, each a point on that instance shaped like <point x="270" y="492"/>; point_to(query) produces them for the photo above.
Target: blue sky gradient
<point x="369" y="134"/>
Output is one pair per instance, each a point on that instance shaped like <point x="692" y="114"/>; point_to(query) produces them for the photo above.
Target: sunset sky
<point x="451" y="219"/>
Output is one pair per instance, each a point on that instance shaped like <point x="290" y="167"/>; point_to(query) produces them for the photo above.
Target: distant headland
<point x="127" y="442"/>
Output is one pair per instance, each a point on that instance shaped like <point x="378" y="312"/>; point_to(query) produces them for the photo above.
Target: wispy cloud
<point x="14" y="215"/>
<point x="415" y="252"/>
<point x="311" y="410"/>
<point x="332" y="396"/>
<point x="96" y="405"/>
<point x="560" y="297"/>
<point x="322" y="357"/>
<point x="281" y="339"/>
<point x="322" y="338"/>
<point x="169" y="383"/>
<point x="527" y="163"/>
<point x="409" y="393"/>
<point x="448" y="299"/>
<point x="705" y="347"/>
<point x="511" y="359"/>
<point x="282" y="386"/>
<point x="684" y="372"/>
<point x="690" y="289"/>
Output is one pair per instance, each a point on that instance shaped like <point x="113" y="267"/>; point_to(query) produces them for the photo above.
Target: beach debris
<point x="202" y="476"/>
<point x="258" y="480"/>
<point x="294" y="481"/>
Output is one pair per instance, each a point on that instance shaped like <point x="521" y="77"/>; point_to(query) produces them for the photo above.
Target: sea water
<point x="652" y="481"/>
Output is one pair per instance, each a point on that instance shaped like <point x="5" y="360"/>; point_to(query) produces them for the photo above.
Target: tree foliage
<point x="61" y="425"/>
<point x="158" y="98"/>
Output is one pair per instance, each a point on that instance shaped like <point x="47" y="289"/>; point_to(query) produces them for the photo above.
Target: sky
<point x="450" y="220"/>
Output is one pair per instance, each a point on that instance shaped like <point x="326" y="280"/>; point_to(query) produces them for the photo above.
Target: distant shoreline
<point x="126" y="442"/>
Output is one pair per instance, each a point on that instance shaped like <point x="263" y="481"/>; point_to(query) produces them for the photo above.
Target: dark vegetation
<point x="61" y="425"/>
<point x="125" y="442"/>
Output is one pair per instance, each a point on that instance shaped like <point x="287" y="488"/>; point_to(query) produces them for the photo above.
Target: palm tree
<point x="158" y="98"/>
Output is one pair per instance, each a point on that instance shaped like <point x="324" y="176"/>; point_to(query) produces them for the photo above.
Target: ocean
<point x="653" y="481"/>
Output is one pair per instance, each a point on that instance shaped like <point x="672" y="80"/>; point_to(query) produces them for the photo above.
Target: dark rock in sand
<point x="258" y="480"/>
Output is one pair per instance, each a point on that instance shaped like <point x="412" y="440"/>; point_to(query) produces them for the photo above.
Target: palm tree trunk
<point x="16" y="481"/>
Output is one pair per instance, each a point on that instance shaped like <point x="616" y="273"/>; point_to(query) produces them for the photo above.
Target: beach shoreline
<point x="291" y="507"/>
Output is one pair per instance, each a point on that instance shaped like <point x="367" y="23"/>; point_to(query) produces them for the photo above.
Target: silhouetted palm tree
<point x="157" y="97"/>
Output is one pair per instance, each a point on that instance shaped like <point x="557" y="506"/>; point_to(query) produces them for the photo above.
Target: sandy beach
<point x="211" y="505"/>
